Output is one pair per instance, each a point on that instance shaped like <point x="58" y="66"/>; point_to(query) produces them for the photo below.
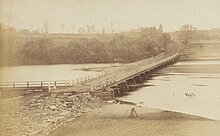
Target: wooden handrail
<point x="30" y="84"/>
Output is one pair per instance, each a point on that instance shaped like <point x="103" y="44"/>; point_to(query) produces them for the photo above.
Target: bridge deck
<point x="106" y="79"/>
<point x="115" y="75"/>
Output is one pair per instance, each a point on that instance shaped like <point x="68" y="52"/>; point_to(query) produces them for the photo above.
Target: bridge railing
<point x="124" y="68"/>
<point x="34" y="84"/>
<point x="134" y="69"/>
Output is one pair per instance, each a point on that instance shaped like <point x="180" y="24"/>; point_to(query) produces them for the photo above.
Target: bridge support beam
<point x="137" y="79"/>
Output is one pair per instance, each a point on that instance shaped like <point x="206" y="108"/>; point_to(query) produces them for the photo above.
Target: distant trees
<point x="186" y="33"/>
<point x="129" y="47"/>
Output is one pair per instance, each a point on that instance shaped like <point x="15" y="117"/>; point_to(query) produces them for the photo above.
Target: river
<point x="191" y="87"/>
<point x="50" y="72"/>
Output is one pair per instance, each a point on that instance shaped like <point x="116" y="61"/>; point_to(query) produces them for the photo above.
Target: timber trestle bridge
<point x="109" y="83"/>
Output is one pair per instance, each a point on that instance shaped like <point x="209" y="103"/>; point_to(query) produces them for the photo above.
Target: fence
<point x="34" y="84"/>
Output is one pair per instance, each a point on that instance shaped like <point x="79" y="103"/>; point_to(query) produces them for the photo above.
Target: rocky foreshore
<point x="41" y="114"/>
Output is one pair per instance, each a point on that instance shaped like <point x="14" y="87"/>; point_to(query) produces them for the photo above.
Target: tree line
<point x="119" y="48"/>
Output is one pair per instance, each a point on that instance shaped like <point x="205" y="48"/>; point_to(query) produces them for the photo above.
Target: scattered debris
<point x="125" y="102"/>
<point x="41" y="114"/>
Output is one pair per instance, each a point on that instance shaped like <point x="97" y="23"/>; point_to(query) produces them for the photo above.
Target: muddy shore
<point x="115" y="119"/>
<point x="84" y="115"/>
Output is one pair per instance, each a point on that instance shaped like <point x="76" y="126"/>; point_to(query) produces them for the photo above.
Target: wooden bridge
<point x="109" y="83"/>
<point x="130" y="76"/>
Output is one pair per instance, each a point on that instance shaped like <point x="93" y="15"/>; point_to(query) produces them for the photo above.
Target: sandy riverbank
<point x="114" y="119"/>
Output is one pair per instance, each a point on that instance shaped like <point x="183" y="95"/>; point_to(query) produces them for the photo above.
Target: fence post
<point x="49" y="89"/>
<point x="13" y="84"/>
<point x="55" y="83"/>
<point x="41" y="83"/>
<point x="27" y="84"/>
<point x="55" y="87"/>
<point x="113" y="94"/>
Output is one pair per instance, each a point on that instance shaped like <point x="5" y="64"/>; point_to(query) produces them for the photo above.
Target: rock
<point x="53" y="108"/>
<point x="69" y="104"/>
<point x="111" y="101"/>
<point x="71" y="119"/>
<point x="39" y="90"/>
<point x="53" y="95"/>
<point x="74" y="97"/>
<point x="84" y="111"/>
<point x="52" y="120"/>
<point x="39" y="101"/>
<point x="32" y="100"/>
<point x="36" y="97"/>
<point x="78" y="114"/>
<point x="64" y="113"/>
<point x="35" y="104"/>
<point x="67" y="94"/>
<point x="69" y="100"/>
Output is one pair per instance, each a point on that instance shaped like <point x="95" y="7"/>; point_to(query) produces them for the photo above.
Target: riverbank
<point x="69" y="114"/>
<point x="115" y="119"/>
<point x="37" y="114"/>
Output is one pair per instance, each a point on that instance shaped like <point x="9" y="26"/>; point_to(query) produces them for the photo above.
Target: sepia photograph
<point x="109" y="68"/>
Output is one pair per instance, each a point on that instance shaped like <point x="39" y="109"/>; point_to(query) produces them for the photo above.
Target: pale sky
<point x="124" y="14"/>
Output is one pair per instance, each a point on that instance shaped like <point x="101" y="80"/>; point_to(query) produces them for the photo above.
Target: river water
<point x="191" y="87"/>
<point x="50" y="72"/>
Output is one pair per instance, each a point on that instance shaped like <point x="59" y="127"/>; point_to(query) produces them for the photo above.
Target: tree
<point x="160" y="28"/>
<point x="186" y="34"/>
<point x="62" y="28"/>
<point x="46" y="27"/>
<point x="103" y="30"/>
<point x="73" y="28"/>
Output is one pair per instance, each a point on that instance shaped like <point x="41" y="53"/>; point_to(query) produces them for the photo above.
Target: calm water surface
<point x="169" y="90"/>
<point x="48" y="72"/>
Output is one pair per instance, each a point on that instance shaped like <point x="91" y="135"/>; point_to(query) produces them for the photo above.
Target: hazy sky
<point x="124" y="14"/>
